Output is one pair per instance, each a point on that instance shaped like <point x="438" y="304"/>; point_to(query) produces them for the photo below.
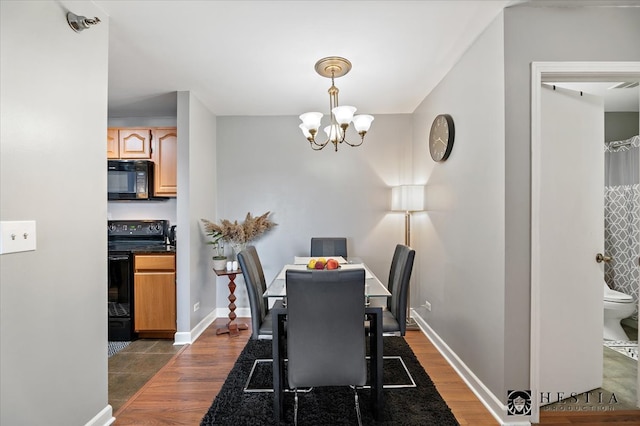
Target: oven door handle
<point x="118" y="257"/>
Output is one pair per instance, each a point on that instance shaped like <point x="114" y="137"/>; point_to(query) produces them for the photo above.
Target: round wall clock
<point x="441" y="137"/>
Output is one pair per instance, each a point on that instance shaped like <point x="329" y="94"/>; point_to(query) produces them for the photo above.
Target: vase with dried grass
<point x="238" y="235"/>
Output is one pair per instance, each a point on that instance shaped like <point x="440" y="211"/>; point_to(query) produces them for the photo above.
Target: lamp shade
<point x="344" y="114"/>
<point x="311" y="120"/>
<point x="362" y="122"/>
<point x="407" y="198"/>
<point x="334" y="133"/>
<point x="305" y="131"/>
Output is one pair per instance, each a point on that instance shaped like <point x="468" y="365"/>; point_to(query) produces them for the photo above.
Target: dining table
<point x="373" y="288"/>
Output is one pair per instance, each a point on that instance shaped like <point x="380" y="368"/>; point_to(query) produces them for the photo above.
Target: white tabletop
<point x="372" y="286"/>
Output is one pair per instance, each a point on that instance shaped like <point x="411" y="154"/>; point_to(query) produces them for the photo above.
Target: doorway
<point x="621" y="233"/>
<point x="541" y="72"/>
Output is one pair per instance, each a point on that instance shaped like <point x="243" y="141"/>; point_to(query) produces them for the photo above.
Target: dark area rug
<point x="420" y="405"/>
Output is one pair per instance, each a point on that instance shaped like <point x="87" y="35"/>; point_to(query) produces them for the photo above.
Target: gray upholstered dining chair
<point x="394" y="318"/>
<point x="325" y="331"/>
<point x="261" y="323"/>
<point x="333" y="246"/>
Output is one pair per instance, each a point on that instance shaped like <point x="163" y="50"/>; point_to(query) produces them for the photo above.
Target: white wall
<point x="265" y="164"/>
<point x="459" y="240"/>
<point x="133" y="121"/>
<point x="53" y="316"/>
<point x="137" y="210"/>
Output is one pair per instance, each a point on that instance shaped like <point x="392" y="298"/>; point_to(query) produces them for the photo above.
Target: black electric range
<point x="125" y="239"/>
<point x="132" y="235"/>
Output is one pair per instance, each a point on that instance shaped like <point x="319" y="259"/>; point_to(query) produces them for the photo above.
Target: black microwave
<point x="130" y="180"/>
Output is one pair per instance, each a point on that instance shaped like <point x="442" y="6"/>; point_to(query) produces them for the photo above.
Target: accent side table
<point x="231" y="327"/>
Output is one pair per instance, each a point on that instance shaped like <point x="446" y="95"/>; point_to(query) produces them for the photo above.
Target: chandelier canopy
<point x="334" y="67"/>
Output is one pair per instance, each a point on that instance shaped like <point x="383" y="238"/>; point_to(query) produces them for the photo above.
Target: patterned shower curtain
<point x="622" y="215"/>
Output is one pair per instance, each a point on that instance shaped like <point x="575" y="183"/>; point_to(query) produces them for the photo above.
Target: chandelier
<point x="334" y="67"/>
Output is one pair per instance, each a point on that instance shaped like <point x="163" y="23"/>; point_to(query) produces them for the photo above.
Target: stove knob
<point x="112" y="227"/>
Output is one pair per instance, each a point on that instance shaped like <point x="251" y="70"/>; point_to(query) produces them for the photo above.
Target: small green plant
<point x="216" y="242"/>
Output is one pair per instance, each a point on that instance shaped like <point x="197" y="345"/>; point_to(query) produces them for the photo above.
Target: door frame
<point x="544" y="72"/>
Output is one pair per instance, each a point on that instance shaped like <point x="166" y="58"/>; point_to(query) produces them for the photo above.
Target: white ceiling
<point x="258" y="57"/>
<point x="615" y="99"/>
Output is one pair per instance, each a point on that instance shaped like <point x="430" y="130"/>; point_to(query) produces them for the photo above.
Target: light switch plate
<point x="17" y="236"/>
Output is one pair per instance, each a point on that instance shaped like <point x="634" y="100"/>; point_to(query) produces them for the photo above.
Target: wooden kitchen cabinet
<point x="165" y="157"/>
<point x="128" y="143"/>
<point x="154" y="295"/>
<point x="113" y="147"/>
<point x="158" y="144"/>
<point x="134" y="144"/>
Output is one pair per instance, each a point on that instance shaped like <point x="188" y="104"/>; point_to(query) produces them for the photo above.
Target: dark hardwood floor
<point x="183" y="390"/>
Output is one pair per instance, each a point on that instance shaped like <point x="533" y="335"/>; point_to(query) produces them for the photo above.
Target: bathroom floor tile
<point x="625" y="347"/>
<point x="618" y="391"/>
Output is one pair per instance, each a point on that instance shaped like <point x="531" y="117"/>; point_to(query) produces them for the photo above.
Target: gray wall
<point x="197" y="194"/>
<point x="543" y="34"/>
<point x="50" y="360"/>
<point x="619" y="126"/>
<point x="473" y="259"/>
<point x="53" y="317"/>
<point x="265" y="164"/>
<point x="459" y="240"/>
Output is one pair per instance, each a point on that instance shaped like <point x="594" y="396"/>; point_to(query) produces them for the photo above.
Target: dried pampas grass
<point x="240" y="233"/>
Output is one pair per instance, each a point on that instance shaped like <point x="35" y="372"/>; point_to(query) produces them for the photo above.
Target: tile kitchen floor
<point x="133" y="366"/>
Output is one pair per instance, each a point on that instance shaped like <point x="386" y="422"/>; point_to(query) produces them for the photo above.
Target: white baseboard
<point x="182" y="338"/>
<point x="188" y="337"/>
<point x="497" y="409"/>
<point x="103" y="418"/>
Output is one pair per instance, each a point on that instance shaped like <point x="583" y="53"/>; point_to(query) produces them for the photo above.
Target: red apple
<point x="332" y="264"/>
<point x="319" y="264"/>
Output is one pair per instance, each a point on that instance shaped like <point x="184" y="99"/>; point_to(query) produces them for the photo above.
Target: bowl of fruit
<point x="322" y="263"/>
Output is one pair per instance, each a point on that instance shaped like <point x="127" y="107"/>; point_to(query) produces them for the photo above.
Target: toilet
<point x="617" y="306"/>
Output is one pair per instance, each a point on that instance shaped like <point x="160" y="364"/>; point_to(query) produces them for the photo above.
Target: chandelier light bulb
<point x="343" y="114"/>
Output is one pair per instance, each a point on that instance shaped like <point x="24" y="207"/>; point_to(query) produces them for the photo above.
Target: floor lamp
<point x="408" y="199"/>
